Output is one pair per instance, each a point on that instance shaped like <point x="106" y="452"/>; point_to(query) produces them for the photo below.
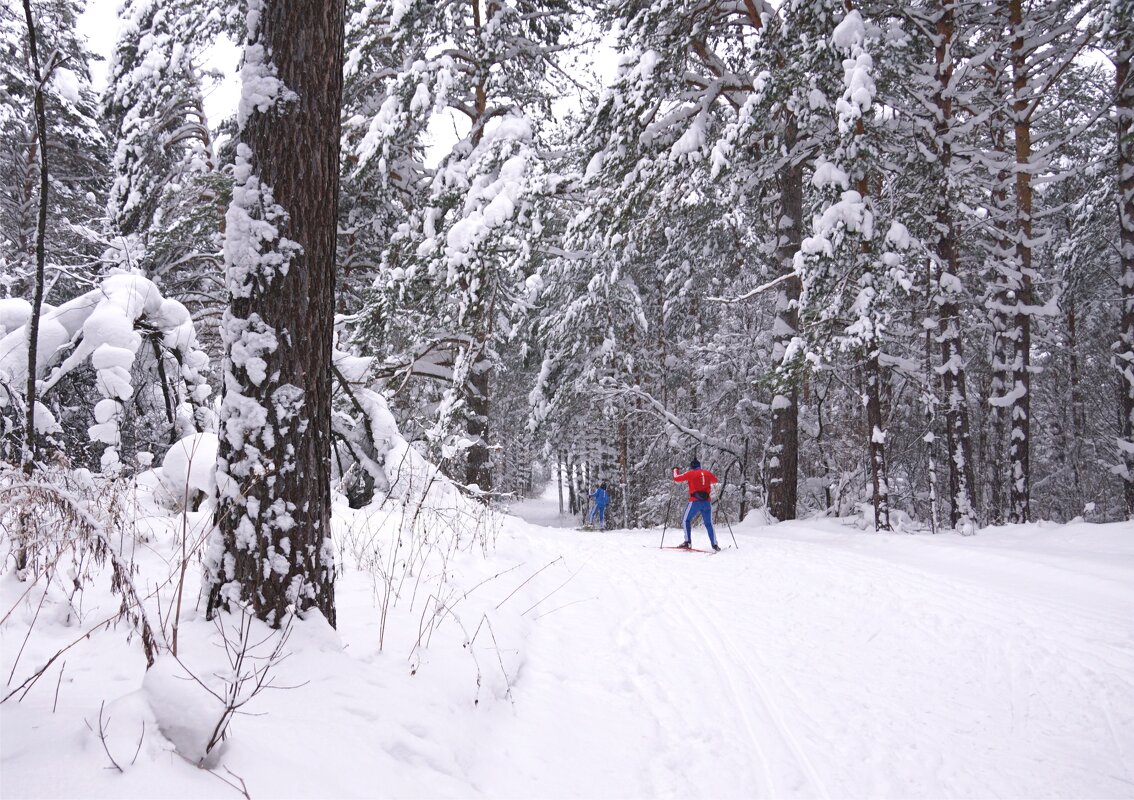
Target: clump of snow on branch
<point x="105" y="327"/>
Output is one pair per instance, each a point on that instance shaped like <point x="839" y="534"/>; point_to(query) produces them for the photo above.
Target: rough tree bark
<point x="946" y="277"/>
<point x="478" y="464"/>
<point x="1002" y="254"/>
<point x="1124" y="358"/>
<point x="274" y="463"/>
<point x="1020" y="334"/>
<point x="880" y="491"/>
<point x="783" y="455"/>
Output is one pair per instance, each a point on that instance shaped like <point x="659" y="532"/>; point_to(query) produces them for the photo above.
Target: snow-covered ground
<point x="814" y="660"/>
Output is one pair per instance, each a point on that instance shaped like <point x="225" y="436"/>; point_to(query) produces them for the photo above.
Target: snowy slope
<point x="814" y="661"/>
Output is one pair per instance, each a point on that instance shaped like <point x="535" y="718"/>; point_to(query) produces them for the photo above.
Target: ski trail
<point x="652" y="640"/>
<point x="764" y="700"/>
<point x="739" y="703"/>
<point x="810" y="663"/>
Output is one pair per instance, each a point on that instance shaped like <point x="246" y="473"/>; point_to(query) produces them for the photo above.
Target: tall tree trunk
<point x="875" y="424"/>
<point x="1003" y="260"/>
<point x="478" y="463"/>
<point x="930" y="424"/>
<point x="1020" y="334"/>
<point x="274" y="514"/>
<point x="783" y="455"/>
<point x="624" y="468"/>
<point x="1124" y="108"/>
<point x="40" y="250"/>
<point x="559" y="479"/>
<point x="744" y="484"/>
<point x="877" y="448"/>
<point x="947" y="285"/>
<point x="1077" y="423"/>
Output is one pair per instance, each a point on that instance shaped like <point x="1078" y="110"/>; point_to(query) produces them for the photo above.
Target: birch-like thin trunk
<point x="40" y="243"/>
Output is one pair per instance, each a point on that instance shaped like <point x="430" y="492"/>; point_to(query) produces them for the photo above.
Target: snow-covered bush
<point x="61" y="528"/>
<point x="131" y="358"/>
<point x="412" y="519"/>
<point x="189" y="471"/>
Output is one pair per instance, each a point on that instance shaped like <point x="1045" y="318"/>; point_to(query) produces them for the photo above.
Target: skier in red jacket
<point x="700" y="481"/>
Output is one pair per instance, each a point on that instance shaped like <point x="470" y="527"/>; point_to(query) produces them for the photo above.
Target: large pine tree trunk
<point x="1002" y="257"/>
<point x="274" y="465"/>
<point x="783" y="455"/>
<point x="1020" y="333"/>
<point x="947" y="279"/>
<point x="1124" y="107"/>
<point x="952" y="353"/>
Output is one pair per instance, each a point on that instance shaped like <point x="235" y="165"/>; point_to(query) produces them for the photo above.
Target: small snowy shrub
<point x="62" y="529"/>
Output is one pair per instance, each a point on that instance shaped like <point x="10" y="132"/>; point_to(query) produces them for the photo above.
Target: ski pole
<point x="730" y="533"/>
<point x="666" y="522"/>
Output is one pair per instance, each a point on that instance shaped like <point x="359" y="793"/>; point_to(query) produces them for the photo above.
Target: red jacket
<point x="699" y="480"/>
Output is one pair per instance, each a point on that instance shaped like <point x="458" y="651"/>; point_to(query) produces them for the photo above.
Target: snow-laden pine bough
<point x="148" y="374"/>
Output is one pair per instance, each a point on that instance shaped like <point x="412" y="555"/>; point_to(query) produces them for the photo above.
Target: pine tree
<point x="273" y="547"/>
<point x="454" y="275"/>
<point x="78" y="152"/>
<point x="712" y="109"/>
<point x="853" y="266"/>
<point x="47" y="218"/>
<point x="166" y="203"/>
<point x="943" y="134"/>
<point x="1031" y="65"/>
<point x="1122" y="33"/>
<point x="1074" y="432"/>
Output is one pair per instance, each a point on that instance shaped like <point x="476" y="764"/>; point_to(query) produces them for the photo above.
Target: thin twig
<point x="521" y="586"/>
<point x="556" y="589"/>
<point x="557" y="608"/>
<point x="59" y="682"/>
<point x="141" y="736"/>
<point x="102" y="737"/>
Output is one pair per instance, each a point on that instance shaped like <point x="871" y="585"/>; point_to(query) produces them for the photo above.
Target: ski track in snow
<point x="813" y="661"/>
<point x="809" y="668"/>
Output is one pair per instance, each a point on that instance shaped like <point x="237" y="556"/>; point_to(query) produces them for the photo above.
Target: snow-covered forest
<point x="873" y="254"/>
<point x="338" y="363"/>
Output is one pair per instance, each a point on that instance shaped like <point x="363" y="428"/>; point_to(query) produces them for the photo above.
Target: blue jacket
<point x="601" y="497"/>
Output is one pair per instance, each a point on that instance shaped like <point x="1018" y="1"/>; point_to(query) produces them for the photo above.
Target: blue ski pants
<point x="600" y="512"/>
<point x="705" y="509"/>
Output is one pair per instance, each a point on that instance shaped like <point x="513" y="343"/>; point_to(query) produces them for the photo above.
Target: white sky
<point x="99" y="23"/>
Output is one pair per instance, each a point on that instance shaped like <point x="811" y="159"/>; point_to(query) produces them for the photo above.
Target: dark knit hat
<point x="694" y="464"/>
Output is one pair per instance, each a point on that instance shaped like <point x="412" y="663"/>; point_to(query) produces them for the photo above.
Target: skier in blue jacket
<point x="602" y="499"/>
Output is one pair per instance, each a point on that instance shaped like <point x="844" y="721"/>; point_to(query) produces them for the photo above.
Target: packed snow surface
<point x="810" y="659"/>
